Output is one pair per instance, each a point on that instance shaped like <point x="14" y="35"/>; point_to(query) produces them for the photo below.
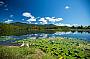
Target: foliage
<point x="18" y="28"/>
<point x="61" y="47"/>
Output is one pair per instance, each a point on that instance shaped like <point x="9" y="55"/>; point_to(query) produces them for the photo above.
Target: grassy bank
<point x="15" y="52"/>
<point x="51" y="48"/>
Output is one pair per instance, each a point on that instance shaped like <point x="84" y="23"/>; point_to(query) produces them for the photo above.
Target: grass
<point x="51" y="48"/>
<point x="15" y="52"/>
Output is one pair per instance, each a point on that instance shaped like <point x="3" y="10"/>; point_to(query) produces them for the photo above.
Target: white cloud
<point x="27" y="14"/>
<point x="76" y="25"/>
<point x="67" y="7"/>
<point x="1" y="3"/>
<point x="8" y="21"/>
<point x="50" y="19"/>
<point x="53" y="19"/>
<point x="29" y="20"/>
<point x="43" y="21"/>
<point x="36" y="23"/>
<point x="60" y="19"/>
<point x="61" y="24"/>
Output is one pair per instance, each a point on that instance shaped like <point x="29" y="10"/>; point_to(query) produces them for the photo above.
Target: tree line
<point x="24" y="28"/>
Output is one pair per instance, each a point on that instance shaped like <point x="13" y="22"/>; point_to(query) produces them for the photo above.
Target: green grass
<point x="51" y="48"/>
<point x="14" y="52"/>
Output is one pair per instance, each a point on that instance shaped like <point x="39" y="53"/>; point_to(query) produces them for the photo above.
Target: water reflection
<point x="83" y="35"/>
<point x="54" y="35"/>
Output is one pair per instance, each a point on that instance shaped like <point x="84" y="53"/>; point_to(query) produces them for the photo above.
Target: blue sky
<point x="58" y="12"/>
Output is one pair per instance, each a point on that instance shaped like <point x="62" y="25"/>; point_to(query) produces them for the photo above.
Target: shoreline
<point x="65" y="38"/>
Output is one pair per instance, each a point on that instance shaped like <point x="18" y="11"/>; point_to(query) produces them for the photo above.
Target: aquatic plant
<point x="61" y="47"/>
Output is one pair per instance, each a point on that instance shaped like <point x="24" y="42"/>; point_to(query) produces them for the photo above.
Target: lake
<point x="4" y="40"/>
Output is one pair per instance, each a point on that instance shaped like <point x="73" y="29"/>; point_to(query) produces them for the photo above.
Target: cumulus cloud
<point x="53" y="19"/>
<point x="27" y="14"/>
<point x="59" y="19"/>
<point x="50" y="19"/>
<point x="43" y="21"/>
<point x="29" y="20"/>
<point x="8" y="21"/>
<point x="1" y="3"/>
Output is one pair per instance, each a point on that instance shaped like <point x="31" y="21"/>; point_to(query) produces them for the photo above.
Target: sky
<point x="58" y="12"/>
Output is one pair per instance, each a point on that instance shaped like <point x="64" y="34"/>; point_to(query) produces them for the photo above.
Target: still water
<point x="80" y="35"/>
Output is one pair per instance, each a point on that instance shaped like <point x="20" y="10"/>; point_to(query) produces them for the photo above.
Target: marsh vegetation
<point x="45" y="47"/>
<point x="54" y="48"/>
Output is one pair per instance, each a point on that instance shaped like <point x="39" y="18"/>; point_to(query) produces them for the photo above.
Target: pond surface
<point x="4" y="40"/>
